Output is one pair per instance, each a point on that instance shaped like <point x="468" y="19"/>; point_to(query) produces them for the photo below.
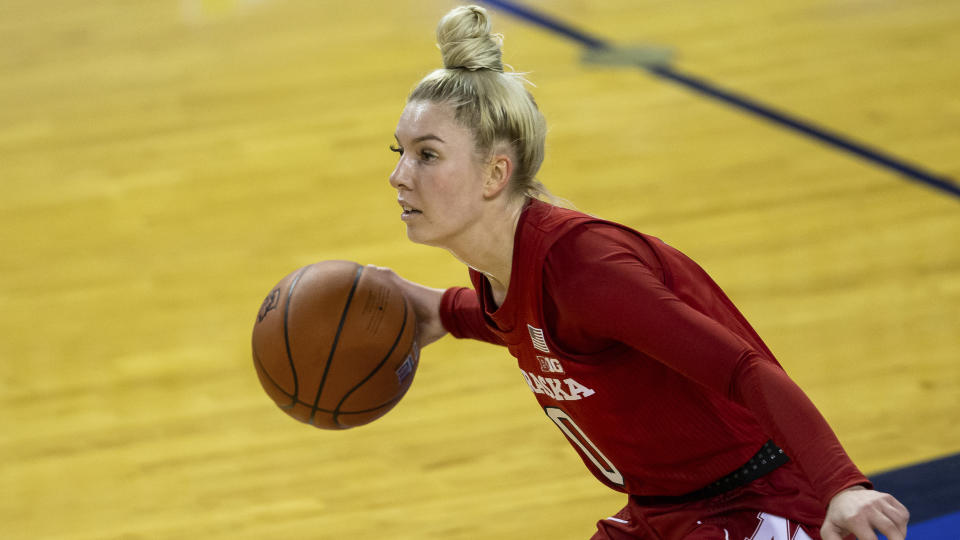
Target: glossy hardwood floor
<point x="164" y="163"/>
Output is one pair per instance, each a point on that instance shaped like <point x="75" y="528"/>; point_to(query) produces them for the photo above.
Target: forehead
<point x="421" y="118"/>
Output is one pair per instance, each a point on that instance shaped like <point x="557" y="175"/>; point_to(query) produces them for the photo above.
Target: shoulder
<point x="563" y="232"/>
<point x="570" y="250"/>
<point x="593" y="276"/>
<point x="597" y="244"/>
<point x="595" y="262"/>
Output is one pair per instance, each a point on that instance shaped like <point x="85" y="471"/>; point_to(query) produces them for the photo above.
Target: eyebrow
<point x="427" y="137"/>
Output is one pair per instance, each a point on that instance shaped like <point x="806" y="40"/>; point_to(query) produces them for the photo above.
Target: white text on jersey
<point x="560" y="390"/>
<point x="550" y="365"/>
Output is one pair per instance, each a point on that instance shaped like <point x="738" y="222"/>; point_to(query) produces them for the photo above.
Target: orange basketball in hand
<point x="335" y="344"/>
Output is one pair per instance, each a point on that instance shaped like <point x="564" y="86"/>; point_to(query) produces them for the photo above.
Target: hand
<point x="425" y="302"/>
<point x="860" y="511"/>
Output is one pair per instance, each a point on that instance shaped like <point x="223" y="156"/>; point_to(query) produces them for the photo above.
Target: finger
<point x="898" y="514"/>
<point x="901" y="511"/>
<point x="381" y="269"/>
<point x="830" y="532"/>
<point x="883" y="523"/>
<point x="863" y="530"/>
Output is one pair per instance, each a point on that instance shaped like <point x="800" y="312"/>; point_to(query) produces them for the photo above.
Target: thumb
<point x="830" y="531"/>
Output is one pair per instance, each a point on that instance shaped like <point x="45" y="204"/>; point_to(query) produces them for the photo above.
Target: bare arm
<point x="425" y="301"/>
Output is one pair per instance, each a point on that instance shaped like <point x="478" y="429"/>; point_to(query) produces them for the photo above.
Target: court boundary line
<point x="740" y="101"/>
<point x="929" y="489"/>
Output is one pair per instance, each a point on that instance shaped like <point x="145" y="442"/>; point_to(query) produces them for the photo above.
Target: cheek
<point x="456" y="191"/>
<point x="462" y="205"/>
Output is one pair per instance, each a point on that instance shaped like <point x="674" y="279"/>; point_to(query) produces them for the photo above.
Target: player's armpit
<point x="462" y="316"/>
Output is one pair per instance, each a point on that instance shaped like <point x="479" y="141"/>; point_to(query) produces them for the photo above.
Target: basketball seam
<point x="263" y="369"/>
<point x="286" y="338"/>
<point x="336" y="339"/>
<point x="396" y="341"/>
<point x="361" y="411"/>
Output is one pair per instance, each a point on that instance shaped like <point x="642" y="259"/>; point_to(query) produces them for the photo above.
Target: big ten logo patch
<point x="549" y="365"/>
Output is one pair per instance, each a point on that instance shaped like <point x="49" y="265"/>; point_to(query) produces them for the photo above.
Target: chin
<point x="414" y="236"/>
<point x="418" y="237"/>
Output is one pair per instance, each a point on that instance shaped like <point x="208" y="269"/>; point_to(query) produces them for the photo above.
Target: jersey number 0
<point x="577" y="437"/>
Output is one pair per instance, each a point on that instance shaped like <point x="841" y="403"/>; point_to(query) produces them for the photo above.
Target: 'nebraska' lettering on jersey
<point x="560" y="390"/>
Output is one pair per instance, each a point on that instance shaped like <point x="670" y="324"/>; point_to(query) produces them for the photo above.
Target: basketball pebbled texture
<point x="335" y="345"/>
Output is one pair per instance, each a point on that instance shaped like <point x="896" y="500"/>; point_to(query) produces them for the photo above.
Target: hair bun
<point x="465" y="41"/>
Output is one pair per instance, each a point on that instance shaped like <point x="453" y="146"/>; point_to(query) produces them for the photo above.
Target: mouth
<point x="408" y="211"/>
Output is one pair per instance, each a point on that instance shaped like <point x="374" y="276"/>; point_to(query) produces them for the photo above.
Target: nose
<point x="400" y="177"/>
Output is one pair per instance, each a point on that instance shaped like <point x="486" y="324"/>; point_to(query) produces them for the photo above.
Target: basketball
<point x="334" y="345"/>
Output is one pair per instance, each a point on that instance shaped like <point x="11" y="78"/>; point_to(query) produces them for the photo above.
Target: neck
<point x="488" y="246"/>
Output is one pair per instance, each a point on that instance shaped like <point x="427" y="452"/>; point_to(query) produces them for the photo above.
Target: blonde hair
<point x="493" y="104"/>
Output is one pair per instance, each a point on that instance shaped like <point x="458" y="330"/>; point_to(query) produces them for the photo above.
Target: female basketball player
<point x="656" y="379"/>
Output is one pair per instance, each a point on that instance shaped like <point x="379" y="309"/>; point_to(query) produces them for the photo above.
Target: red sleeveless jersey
<point x="641" y="360"/>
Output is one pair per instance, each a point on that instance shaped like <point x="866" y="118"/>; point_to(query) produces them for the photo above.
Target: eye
<point x="427" y="155"/>
<point x="397" y="149"/>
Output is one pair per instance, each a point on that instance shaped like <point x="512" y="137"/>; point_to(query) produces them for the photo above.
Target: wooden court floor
<point x="164" y="162"/>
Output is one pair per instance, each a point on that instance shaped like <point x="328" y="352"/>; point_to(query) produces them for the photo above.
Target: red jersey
<point x="640" y="359"/>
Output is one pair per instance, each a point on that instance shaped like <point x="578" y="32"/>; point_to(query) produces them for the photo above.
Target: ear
<point x="499" y="171"/>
